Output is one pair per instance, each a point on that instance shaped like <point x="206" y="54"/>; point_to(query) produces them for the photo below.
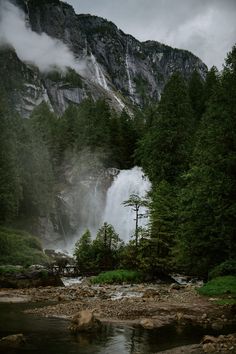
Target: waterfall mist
<point x="95" y="196"/>
<point x="122" y="218"/>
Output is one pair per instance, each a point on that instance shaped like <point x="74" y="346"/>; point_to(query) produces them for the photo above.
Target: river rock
<point x="85" y="320"/>
<point x="150" y="293"/>
<point x="14" y="341"/>
<point x="147" y="323"/>
<point x="209" y="348"/>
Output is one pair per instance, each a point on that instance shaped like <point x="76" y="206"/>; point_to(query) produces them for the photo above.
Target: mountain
<point x="113" y="65"/>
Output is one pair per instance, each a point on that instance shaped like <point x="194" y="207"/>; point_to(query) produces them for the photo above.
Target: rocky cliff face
<point x="116" y="66"/>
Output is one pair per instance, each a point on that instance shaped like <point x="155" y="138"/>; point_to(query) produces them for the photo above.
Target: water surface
<point x="51" y="336"/>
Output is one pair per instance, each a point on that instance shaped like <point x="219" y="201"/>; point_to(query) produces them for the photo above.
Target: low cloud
<point x="41" y="50"/>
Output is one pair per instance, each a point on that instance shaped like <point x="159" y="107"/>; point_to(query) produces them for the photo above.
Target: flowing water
<point x="100" y="77"/>
<point x="123" y="218"/>
<point x="51" y="336"/>
<point x="127" y="65"/>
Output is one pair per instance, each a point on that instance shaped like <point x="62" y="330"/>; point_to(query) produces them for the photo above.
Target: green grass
<point x="117" y="277"/>
<point x="20" y="248"/>
<point x="219" y="286"/>
<point x="226" y="302"/>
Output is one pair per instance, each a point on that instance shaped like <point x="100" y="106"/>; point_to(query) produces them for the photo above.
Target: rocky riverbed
<point x="147" y="305"/>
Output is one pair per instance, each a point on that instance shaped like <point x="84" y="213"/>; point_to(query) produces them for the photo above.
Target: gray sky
<point x="205" y="27"/>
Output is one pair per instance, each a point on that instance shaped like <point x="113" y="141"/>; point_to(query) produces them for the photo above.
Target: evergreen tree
<point x="107" y="247"/>
<point x="84" y="253"/>
<point x="208" y="201"/>
<point x="10" y="184"/>
<point x="196" y="95"/>
<point x="164" y="151"/>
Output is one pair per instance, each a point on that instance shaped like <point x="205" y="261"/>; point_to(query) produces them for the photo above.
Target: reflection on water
<point x="51" y="336"/>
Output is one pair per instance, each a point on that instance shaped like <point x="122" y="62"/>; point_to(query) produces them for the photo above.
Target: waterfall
<point x="100" y="77"/>
<point x="127" y="65"/>
<point x="122" y="218"/>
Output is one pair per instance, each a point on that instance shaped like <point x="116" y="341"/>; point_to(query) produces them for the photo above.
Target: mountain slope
<point x="113" y="65"/>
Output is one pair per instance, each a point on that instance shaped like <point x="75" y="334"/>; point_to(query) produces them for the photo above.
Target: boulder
<point x="147" y="323"/>
<point x="85" y="320"/>
<point x="13" y="341"/>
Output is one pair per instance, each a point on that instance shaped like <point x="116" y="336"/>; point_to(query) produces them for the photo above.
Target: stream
<point x="51" y="335"/>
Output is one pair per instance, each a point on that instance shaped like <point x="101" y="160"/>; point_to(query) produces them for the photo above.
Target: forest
<point x="185" y="144"/>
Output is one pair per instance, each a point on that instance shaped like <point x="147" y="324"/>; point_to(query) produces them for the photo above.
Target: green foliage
<point x="119" y="276"/>
<point x="196" y="95"/>
<point x="207" y="202"/>
<point x="226" y="268"/>
<point x="136" y="202"/>
<point x="10" y="186"/>
<point x="219" y="286"/>
<point x="9" y="269"/>
<point x="224" y="302"/>
<point x="70" y="77"/>
<point x="165" y="149"/>
<point x="20" y="248"/>
<point x="84" y="254"/>
<point x="101" y="254"/>
<point x="93" y="125"/>
<point x="142" y="88"/>
<point x="36" y="172"/>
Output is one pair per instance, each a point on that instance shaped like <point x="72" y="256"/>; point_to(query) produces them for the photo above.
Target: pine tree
<point x="164" y="150"/>
<point x="208" y="201"/>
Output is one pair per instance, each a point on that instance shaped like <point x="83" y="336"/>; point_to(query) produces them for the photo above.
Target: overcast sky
<point x="205" y="27"/>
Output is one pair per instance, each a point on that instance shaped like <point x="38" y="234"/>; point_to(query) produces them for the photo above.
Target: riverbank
<point x="147" y="305"/>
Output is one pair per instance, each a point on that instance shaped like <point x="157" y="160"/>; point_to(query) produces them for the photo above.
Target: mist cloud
<point x="41" y="50"/>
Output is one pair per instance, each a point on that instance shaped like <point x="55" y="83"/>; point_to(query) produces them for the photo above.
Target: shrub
<point x="225" y="268"/>
<point x="117" y="276"/>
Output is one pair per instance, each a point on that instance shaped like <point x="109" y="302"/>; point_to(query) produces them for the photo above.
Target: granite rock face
<point x="115" y="66"/>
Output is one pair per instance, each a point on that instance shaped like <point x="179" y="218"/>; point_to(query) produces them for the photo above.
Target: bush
<point x="225" y="268"/>
<point x="9" y="269"/>
<point x="20" y="248"/>
<point x="117" y="276"/>
<point x="219" y="286"/>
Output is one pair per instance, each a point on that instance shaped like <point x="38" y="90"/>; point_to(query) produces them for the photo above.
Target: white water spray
<point x="122" y="218"/>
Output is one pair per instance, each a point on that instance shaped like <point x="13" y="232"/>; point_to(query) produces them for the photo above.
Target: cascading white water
<point x="100" y="77"/>
<point x="127" y="65"/>
<point x="120" y="217"/>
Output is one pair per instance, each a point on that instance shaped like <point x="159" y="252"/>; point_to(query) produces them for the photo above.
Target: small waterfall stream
<point x="100" y="77"/>
<point x="127" y="65"/>
<point x="122" y="218"/>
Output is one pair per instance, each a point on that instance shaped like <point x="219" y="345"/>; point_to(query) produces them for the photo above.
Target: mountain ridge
<point x="117" y="66"/>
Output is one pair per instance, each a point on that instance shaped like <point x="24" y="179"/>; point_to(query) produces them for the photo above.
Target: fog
<point x="39" y="49"/>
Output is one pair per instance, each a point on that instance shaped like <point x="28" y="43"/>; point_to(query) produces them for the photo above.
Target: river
<point x="51" y="336"/>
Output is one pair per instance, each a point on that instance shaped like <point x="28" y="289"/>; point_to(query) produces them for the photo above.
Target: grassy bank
<point x="20" y="248"/>
<point x="117" y="277"/>
<point x="223" y="287"/>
